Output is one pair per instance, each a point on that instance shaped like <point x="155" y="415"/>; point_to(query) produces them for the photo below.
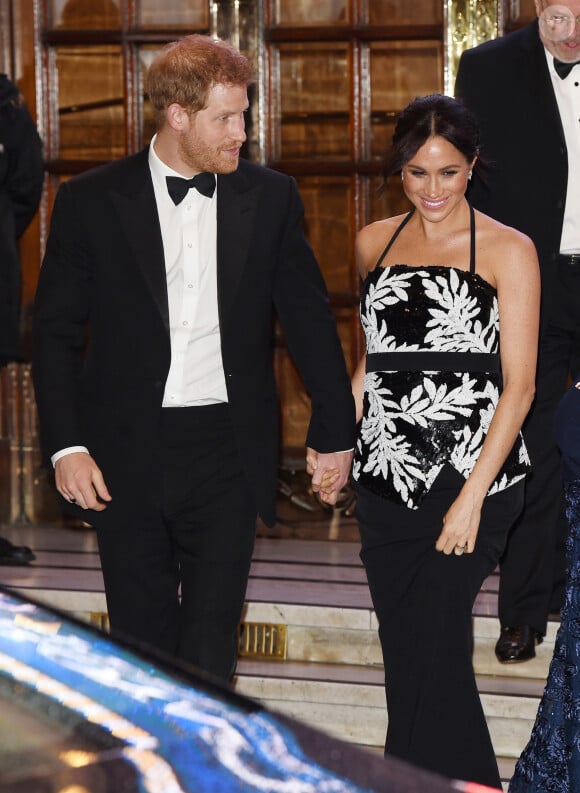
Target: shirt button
<point x="185" y="322"/>
<point x="190" y="286"/>
<point x="189" y="244"/>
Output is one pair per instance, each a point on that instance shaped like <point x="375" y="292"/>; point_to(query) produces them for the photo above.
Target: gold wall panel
<point x="467" y="24"/>
<point x="27" y="494"/>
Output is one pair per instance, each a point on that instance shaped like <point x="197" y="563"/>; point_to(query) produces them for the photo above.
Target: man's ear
<point x="177" y="117"/>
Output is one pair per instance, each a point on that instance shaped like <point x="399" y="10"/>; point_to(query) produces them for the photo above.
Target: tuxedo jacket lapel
<point x="541" y="83"/>
<point x="135" y="203"/>
<point x="237" y="201"/>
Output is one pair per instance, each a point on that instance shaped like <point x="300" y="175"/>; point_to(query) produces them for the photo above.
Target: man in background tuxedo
<point x="525" y="90"/>
<point x="21" y="180"/>
<point x="163" y="429"/>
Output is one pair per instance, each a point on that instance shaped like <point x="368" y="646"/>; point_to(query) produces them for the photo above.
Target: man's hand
<point x="330" y="473"/>
<point x="79" y="480"/>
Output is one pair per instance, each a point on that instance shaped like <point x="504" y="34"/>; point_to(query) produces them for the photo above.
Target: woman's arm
<point x="358" y="385"/>
<point x="518" y="287"/>
<point x="365" y="251"/>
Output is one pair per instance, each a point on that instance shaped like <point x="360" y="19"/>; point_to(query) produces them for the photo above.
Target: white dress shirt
<point x="567" y="93"/>
<point x="189" y="233"/>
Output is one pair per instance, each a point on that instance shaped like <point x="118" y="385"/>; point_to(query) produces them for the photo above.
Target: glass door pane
<point x="405" y="12"/>
<point x="326" y="199"/>
<point x="173" y="14"/>
<point x="311" y="12"/>
<point x="400" y="71"/>
<point x="91" y="102"/>
<point x="85" y="14"/>
<point x="314" y="101"/>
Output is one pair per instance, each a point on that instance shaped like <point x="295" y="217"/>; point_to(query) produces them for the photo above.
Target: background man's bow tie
<point x="563" y="69"/>
<point x="177" y="187"/>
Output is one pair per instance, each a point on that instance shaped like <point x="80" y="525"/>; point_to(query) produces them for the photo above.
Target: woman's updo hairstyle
<point x="426" y="117"/>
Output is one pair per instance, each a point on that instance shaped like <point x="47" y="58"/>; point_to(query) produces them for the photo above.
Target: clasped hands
<point x="79" y="479"/>
<point x="329" y="471"/>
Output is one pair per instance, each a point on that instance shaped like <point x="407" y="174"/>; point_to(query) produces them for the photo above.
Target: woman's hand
<point x="460" y="526"/>
<point x="508" y="261"/>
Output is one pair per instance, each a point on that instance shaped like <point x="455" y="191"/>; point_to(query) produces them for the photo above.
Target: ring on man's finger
<point x="459" y="549"/>
<point x="72" y="500"/>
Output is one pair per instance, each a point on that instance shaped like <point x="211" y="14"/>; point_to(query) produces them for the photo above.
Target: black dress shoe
<point x="14" y="554"/>
<point x="517" y="643"/>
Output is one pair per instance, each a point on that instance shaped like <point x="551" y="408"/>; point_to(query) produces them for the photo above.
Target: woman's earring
<point x="470" y="174"/>
<point x="402" y="175"/>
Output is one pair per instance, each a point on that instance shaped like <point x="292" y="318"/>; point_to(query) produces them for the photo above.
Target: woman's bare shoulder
<point x="505" y="256"/>
<point x="380" y="228"/>
<point x="378" y="233"/>
<point x="498" y="237"/>
<point x="371" y="241"/>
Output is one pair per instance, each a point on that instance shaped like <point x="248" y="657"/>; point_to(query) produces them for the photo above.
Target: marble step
<point x="349" y="636"/>
<point x="349" y="702"/>
<point x="333" y="677"/>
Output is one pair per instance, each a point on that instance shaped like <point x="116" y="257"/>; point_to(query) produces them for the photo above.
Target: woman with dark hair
<point x="439" y="460"/>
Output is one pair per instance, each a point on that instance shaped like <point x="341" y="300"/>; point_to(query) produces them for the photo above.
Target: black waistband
<point x="569" y="259"/>
<point x="433" y="362"/>
<point x="193" y="413"/>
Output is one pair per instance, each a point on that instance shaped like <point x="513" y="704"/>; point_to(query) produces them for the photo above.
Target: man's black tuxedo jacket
<point x="104" y="267"/>
<point x="506" y="83"/>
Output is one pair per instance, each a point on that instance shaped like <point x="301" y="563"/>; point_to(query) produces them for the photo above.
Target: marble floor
<point x="308" y="562"/>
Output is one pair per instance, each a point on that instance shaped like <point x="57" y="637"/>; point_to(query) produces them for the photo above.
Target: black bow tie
<point x="177" y="187"/>
<point x="563" y="69"/>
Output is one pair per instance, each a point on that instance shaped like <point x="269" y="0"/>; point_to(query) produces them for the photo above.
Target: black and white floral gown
<point x="432" y="378"/>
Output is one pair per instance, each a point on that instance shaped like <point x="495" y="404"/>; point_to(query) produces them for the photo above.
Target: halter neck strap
<point x="408" y="217"/>
<point x="400" y="228"/>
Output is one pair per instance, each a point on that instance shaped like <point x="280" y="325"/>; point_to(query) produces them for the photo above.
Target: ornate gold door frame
<point x="466" y="24"/>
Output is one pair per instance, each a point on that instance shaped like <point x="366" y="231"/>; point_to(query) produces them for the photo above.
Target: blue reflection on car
<point x="179" y="738"/>
<point x="80" y="711"/>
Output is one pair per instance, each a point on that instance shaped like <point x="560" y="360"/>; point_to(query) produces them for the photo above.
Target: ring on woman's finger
<point x="72" y="500"/>
<point x="459" y="549"/>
